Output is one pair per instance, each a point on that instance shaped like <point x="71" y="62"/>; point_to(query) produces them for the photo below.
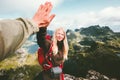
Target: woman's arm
<point x="41" y="39"/>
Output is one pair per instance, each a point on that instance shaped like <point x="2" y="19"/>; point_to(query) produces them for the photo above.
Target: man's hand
<point x="42" y="17"/>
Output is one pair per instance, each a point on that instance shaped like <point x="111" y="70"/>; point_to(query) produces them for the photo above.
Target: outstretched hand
<point x="42" y="17"/>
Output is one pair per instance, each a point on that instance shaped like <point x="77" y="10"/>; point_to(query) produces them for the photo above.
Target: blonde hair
<point x="65" y="44"/>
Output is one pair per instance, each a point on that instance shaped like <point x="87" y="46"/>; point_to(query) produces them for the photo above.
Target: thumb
<point x="51" y="17"/>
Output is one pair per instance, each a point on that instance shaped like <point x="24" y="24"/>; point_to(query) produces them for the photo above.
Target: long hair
<point x="65" y="44"/>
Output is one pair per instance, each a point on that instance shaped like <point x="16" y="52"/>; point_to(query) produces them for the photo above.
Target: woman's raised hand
<point x="42" y="17"/>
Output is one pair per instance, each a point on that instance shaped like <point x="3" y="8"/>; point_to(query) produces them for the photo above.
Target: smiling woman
<point x="52" y="53"/>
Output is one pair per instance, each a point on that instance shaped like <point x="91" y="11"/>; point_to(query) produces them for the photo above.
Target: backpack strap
<point x="41" y="57"/>
<point x="49" y="53"/>
<point x="48" y="61"/>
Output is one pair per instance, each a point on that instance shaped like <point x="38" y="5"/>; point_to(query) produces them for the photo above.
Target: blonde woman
<point x="56" y="51"/>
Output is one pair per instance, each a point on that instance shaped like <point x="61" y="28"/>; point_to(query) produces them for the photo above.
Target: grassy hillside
<point x="19" y="68"/>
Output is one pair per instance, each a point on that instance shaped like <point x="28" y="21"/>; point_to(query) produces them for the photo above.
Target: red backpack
<point x="44" y="60"/>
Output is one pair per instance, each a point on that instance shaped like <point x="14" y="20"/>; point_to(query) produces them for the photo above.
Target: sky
<point x="70" y="14"/>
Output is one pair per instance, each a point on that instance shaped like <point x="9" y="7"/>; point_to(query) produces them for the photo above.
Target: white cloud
<point x="110" y="16"/>
<point x="23" y="8"/>
<point x="107" y="17"/>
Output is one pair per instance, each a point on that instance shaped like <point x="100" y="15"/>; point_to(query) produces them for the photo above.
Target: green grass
<point x="17" y="70"/>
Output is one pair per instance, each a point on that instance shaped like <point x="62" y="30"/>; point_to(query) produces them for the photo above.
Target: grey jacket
<point x="13" y="33"/>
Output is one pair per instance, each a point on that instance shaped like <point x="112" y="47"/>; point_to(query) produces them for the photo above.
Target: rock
<point x="92" y="75"/>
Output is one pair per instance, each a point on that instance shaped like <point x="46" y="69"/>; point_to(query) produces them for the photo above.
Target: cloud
<point x="24" y="8"/>
<point x="109" y="16"/>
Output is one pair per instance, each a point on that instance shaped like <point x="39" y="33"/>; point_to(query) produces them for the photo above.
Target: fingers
<point x="42" y="16"/>
<point x="49" y="7"/>
<point x="48" y="10"/>
<point x="45" y="9"/>
<point x="40" y="8"/>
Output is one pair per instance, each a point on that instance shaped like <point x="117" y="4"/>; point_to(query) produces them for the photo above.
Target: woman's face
<point x="60" y="35"/>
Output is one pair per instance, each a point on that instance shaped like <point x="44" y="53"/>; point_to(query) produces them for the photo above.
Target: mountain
<point x="96" y="30"/>
<point x="94" y="47"/>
